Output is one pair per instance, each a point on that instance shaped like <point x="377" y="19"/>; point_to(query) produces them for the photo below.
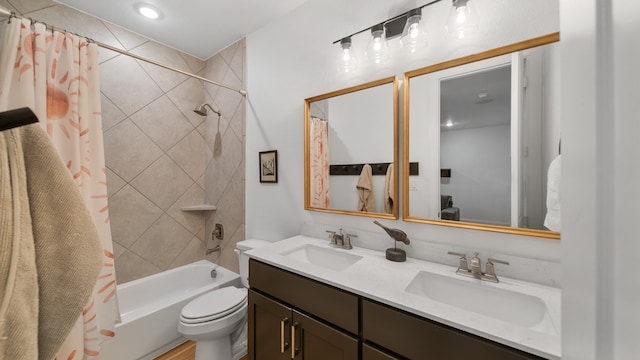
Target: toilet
<point x="217" y="320"/>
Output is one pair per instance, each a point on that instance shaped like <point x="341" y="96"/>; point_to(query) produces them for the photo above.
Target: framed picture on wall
<point x="269" y="166"/>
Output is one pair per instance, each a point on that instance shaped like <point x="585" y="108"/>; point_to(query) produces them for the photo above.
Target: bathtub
<point x="150" y="308"/>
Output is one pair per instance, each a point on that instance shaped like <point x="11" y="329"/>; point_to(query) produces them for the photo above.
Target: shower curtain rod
<point x="242" y="92"/>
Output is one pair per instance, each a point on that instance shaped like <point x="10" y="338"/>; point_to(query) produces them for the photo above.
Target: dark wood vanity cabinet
<point x="322" y="322"/>
<point x="291" y="317"/>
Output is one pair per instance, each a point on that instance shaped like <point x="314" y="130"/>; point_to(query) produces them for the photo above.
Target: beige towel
<point x="389" y="190"/>
<point x="55" y="250"/>
<point x="367" y="201"/>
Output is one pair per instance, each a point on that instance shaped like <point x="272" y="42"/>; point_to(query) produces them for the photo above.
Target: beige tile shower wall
<point x="154" y="144"/>
<point x="225" y="157"/>
<point x="155" y="158"/>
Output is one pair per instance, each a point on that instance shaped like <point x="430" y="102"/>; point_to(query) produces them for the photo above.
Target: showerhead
<point x="202" y="110"/>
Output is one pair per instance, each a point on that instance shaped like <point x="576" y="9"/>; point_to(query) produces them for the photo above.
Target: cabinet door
<point x="269" y="329"/>
<point x="312" y="340"/>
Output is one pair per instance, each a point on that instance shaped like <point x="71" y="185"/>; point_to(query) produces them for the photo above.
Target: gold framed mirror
<point x="484" y="130"/>
<point x="350" y="150"/>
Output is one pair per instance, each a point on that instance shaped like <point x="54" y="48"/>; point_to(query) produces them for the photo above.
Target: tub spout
<point x="212" y="250"/>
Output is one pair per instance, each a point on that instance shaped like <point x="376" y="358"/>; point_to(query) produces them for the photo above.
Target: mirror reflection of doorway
<point x="475" y="142"/>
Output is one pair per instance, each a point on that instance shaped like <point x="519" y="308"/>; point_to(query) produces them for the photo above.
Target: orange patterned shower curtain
<point x="56" y="75"/>
<point x="319" y="153"/>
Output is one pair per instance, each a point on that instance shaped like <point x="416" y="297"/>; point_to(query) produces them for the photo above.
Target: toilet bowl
<point x="216" y="321"/>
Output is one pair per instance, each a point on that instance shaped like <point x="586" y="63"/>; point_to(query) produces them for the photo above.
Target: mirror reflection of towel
<point x="367" y="201"/>
<point x="389" y="186"/>
<point x="552" y="220"/>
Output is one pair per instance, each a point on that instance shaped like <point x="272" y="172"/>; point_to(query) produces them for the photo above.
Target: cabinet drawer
<point x="416" y="338"/>
<point x="323" y="301"/>
<point x="369" y="353"/>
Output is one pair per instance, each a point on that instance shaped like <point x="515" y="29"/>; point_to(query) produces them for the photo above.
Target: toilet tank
<point x="241" y="248"/>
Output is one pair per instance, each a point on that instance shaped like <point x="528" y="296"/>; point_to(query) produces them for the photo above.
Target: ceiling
<point x="478" y="99"/>
<point x="200" y="28"/>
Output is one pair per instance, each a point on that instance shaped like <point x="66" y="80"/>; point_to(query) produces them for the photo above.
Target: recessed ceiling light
<point x="484" y="98"/>
<point x="148" y="11"/>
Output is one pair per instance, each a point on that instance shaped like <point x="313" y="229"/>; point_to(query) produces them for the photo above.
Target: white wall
<point x="360" y="132"/>
<point x="600" y="177"/>
<point x="293" y="58"/>
<point x="480" y="164"/>
<point x="540" y="131"/>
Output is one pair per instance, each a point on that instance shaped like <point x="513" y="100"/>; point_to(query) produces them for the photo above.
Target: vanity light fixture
<point x="409" y="26"/>
<point x="347" y="60"/>
<point x="463" y="19"/>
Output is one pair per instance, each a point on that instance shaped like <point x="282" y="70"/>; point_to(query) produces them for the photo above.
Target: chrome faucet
<point x="341" y="240"/>
<point x="476" y="267"/>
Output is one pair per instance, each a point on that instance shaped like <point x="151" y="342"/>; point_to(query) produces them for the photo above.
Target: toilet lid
<point x="214" y="305"/>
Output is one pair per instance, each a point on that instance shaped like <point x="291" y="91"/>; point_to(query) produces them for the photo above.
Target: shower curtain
<point x="319" y="153"/>
<point x="56" y="75"/>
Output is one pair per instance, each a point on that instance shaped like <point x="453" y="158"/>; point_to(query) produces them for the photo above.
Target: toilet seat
<point x="214" y="305"/>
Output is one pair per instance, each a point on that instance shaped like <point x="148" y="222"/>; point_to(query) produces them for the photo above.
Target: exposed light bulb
<point x="461" y="15"/>
<point x="414" y="30"/>
<point x="346" y="61"/>
<point x="413" y="36"/>
<point x="463" y="19"/>
<point x="377" y="50"/>
<point x="449" y="123"/>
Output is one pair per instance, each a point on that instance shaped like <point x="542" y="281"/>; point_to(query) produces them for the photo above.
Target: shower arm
<point x="218" y="112"/>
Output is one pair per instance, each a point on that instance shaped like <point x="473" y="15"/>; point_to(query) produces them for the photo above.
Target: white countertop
<point x="385" y="281"/>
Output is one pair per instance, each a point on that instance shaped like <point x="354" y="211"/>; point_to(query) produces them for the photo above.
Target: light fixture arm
<point x="384" y="23"/>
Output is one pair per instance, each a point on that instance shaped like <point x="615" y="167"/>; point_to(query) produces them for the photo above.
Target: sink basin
<point x="483" y="298"/>
<point x="324" y="257"/>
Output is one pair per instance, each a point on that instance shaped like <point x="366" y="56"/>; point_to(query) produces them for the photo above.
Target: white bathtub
<point x="150" y="308"/>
